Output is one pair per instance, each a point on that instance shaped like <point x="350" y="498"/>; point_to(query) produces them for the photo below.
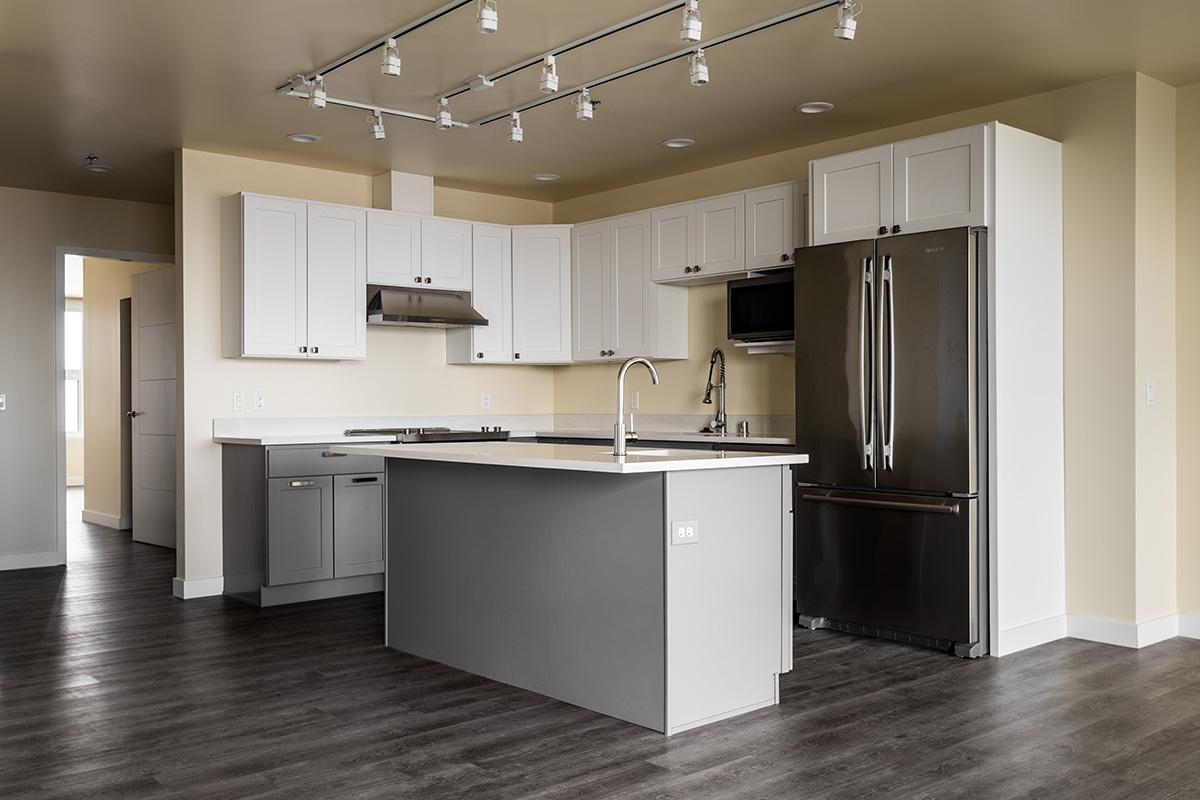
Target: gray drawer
<point x="292" y="462"/>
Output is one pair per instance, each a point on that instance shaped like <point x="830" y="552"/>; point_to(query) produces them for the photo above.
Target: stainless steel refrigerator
<point x="891" y="404"/>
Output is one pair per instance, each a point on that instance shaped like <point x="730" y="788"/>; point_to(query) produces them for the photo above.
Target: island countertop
<point x="579" y="458"/>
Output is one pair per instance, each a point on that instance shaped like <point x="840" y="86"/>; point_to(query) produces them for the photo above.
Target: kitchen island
<point x="653" y="587"/>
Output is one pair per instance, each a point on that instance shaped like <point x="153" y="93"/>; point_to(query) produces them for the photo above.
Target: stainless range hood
<point x="425" y="308"/>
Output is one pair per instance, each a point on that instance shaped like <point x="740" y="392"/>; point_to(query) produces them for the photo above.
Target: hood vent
<point x="426" y="308"/>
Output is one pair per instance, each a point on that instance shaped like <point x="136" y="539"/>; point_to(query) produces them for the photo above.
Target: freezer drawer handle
<point x="944" y="507"/>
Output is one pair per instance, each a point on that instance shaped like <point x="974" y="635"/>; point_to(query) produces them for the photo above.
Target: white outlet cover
<point x="685" y="531"/>
<point x="1151" y="394"/>
<point x="239" y="401"/>
<point x="260" y="402"/>
<point x="485" y="400"/>
<point x="3" y="402"/>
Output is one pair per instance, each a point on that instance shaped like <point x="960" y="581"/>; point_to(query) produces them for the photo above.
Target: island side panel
<point x="549" y="580"/>
<point x="725" y="597"/>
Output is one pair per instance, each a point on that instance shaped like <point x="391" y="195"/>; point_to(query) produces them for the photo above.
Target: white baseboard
<point x="49" y="558"/>
<point x="1189" y="625"/>
<point x="107" y="520"/>
<point x="1022" y="637"/>
<point x="198" y="587"/>
<point x="1124" y="634"/>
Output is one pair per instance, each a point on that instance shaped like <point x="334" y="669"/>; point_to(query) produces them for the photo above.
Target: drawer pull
<point x="327" y="454"/>
<point x="301" y="484"/>
<point x="373" y="479"/>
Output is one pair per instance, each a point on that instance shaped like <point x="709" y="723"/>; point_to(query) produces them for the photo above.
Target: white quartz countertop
<point x="268" y="439"/>
<point x="276" y="439"/>
<point x="581" y="458"/>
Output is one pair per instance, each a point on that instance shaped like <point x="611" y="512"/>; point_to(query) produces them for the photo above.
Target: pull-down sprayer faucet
<point x="720" y="424"/>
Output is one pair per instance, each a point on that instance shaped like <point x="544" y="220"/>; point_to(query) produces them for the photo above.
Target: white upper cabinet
<point x="337" y="280"/>
<point x="491" y="296"/>
<point x="720" y="244"/>
<point x="940" y="181"/>
<point x="630" y="285"/>
<point x="673" y="241"/>
<point x="770" y="226"/>
<point x="393" y="248"/>
<point x="851" y="195"/>
<point x="541" y="294"/>
<point x="590" y="290"/>
<point x="446" y="253"/>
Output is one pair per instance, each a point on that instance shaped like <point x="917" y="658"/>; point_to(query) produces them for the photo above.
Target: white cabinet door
<point x="542" y="294"/>
<point x="673" y="241"/>
<point x="337" y="282"/>
<point x="630" y="310"/>
<point x="851" y="196"/>
<point x="492" y="294"/>
<point x="446" y="253"/>
<point x="720" y="235"/>
<point x="393" y="248"/>
<point x="274" y="277"/>
<point x="801" y="200"/>
<point x="940" y="181"/>
<point x="770" y="226"/>
<point x="590" y="286"/>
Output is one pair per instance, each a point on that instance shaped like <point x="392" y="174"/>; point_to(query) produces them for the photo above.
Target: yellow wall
<point x="75" y="461"/>
<point x="1187" y="217"/>
<point x="406" y="373"/>
<point x="105" y="284"/>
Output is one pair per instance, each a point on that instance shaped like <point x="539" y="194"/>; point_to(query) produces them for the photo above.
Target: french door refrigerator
<point x="891" y="404"/>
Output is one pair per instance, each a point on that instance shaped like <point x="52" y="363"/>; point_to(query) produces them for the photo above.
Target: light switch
<point x="1151" y="394"/>
<point x="685" y="532"/>
<point x="3" y="402"/>
<point x="239" y="402"/>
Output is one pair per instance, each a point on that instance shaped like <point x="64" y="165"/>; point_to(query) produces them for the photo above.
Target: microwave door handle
<point x="889" y="287"/>
<point x="865" y="363"/>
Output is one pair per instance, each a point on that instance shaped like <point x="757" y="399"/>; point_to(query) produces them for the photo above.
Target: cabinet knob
<point x="429" y="280"/>
<point x="883" y="230"/>
<point x="479" y="356"/>
<point x="417" y="279"/>
<point x="696" y="269"/>
<point x="517" y="356"/>
<point x="895" y="229"/>
<point x="303" y="349"/>
<point x="784" y="257"/>
<point x="316" y="350"/>
<point x="687" y="270"/>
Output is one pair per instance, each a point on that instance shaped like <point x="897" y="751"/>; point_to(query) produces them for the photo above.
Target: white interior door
<point x="152" y="379"/>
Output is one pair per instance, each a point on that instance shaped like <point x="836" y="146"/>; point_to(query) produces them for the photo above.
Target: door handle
<point x="938" y="507"/>
<point x="889" y="284"/>
<point x="866" y="361"/>
<point x="132" y="414"/>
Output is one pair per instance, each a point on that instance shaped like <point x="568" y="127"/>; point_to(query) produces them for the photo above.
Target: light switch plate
<point x="239" y="402"/>
<point x="3" y="402"/>
<point x="485" y="400"/>
<point x="685" y="531"/>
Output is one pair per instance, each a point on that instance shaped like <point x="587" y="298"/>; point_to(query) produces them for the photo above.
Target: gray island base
<point x="659" y="597"/>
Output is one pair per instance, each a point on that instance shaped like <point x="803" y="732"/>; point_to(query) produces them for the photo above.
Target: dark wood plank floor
<point x="109" y="687"/>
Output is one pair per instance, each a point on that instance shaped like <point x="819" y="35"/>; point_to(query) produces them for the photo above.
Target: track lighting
<point x="444" y="120"/>
<point x="516" y="134"/>
<point x="317" y="96"/>
<point x="391" y="59"/>
<point x="699" y="68"/>
<point x="584" y="107"/>
<point x="847" y="24"/>
<point x="487" y="17"/>
<point x="690" y="30"/>
<point x="549" y="82"/>
<point x="375" y="121"/>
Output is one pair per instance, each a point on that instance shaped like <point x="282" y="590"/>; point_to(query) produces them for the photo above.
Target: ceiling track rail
<point x="660" y="60"/>
<point x="391" y="112"/>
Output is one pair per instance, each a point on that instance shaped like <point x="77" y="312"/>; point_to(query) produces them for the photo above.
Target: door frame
<point x="60" y="425"/>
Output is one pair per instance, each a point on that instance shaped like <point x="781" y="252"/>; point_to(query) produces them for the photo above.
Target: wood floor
<point x="110" y="688"/>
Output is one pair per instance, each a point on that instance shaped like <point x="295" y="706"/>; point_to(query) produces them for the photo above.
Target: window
<point x="73" y="366"/>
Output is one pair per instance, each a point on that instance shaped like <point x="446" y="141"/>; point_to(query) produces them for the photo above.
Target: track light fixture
<point x="584" y="107"/>
<point x="487" y="17"/>
<point x="699" y="67"/>
<point x="692" y="25"/>
<point x="549" y="82"/>
<point x="444" y="120"/>
<point x="317" y="96"/>
<point x="375" y="123"/>
<point x="516" y="134"/>
<point x="391" y="59"/>
<point x="847" y="22"/>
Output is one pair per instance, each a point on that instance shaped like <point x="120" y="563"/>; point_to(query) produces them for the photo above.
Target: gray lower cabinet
<point x="300" y="525"/>
<point x="358" y="525"/>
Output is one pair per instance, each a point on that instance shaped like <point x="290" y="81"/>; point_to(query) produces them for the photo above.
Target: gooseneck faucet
<point x="720" y="424"/>
<point x="619" y="428"/>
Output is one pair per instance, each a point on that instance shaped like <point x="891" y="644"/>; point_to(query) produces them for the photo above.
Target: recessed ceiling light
<point x="819" y="107"/>
<point x="675" y="144"/>
<point x="546" y="177"/>
<point x="303" y="138"/>
<point x="92" y="164"/>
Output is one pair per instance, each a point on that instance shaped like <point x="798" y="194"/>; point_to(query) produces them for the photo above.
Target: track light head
<point x="391" y="59"/>
<point x="585" y="109"/>
<point x="699" y="67"/>
<point x="690" y="30"/>
<point x="846" y="25"/>
<point x="317" y="96"/>
<point x="549" y="81"/>
<point x="487" y="17"/>
<point x="375" y="125"/>
<point x="516" y="134"/>
<point x="444" y="120"/>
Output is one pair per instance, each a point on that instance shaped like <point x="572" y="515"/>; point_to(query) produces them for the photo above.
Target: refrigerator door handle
<point x="889" y="289"/>
<point x="866" y="364"/>
<point x="948" y="506"/>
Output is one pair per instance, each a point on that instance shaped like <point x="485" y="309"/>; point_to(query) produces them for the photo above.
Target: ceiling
<point x="135" y="80"/>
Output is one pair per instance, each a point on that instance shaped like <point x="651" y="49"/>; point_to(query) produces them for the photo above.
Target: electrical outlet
<point x="636" y="402"/>
<point x="260" y="402"/>
<point x="239" y="402"/>
<point x="3" y="402"/>
<point x="485" y="400"/>
<point x="685" y="532"/>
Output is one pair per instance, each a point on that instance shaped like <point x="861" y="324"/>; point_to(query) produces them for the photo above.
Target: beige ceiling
<point x="134" y="80"/>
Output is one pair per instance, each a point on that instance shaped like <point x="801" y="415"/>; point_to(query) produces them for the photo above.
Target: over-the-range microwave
<point x="762" y="309"/>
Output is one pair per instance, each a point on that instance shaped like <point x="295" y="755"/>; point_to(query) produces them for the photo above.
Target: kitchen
<point x="321" y="352"/>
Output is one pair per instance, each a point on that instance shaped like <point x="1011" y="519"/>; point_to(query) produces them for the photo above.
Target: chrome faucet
<point x="720" y="424"/>
<point x="619" y="428"/>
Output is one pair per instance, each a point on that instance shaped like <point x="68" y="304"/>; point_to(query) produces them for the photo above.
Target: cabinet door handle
<point x="429" y="280"/>
<point x="687" y="270"/>
<point x="316" y="350"/>
<point x="696" y="268"/>
<point x="784" y="257"/>
<point x="372" y="479"/>
<point x="301" y="484"/>
<point x="883" y="230"/>
<point x="895" y="229"/>
<point x="417" y="279"/>
<point x="303" y="349"/>
<point x="327" y="454"/>
<point x="479" y="356"/>
<point x="517" y="356"/>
